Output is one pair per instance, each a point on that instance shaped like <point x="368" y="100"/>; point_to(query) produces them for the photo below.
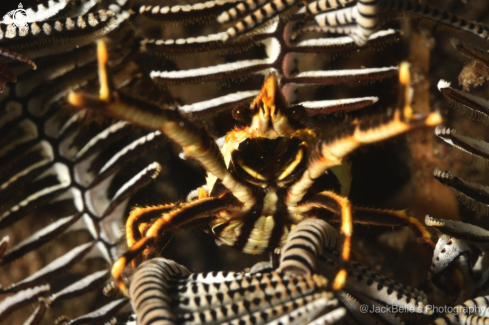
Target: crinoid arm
<point x="52" y="10"/>
<point x="462" y="247"/>
<point x="261" y="12"/>
<point x="472" y="148"/>
<point x="435" y="14"/>
<point x="186" y="14"/>
<point x="7" y="75"/>
<point x="17" y="57"/>
<point x="472" y="311"/>
<point x="320" y="107"/>
<point x="473" y="106"/>
<point x="305" y="244"/>
<point x="311" y="248"/>
<point x="461" y="230"/>
<point x="3" y="246"/>
<point x="359" y="21"/>
<point x="318" y="6"/>
<point x="45" y="38"/>
<point x="229" y="297"/>
<point x="22" y="297"/>
<point x="363" y="19"/>
<point x="474" y="195"/>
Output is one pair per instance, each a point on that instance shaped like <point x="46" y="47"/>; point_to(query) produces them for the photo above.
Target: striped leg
<point x="139" y="222"/>
<point x="330" y="154"/>
<point x="174" y="219"/>
<point x="333" y="202"/>
<point x="392" y="218"/>
<point x="384" y="218"/>
<point x="139" y="218"/>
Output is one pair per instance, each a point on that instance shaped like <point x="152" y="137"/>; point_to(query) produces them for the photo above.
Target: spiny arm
<point x="194" y="141"/>
<point x="330" y="154"/>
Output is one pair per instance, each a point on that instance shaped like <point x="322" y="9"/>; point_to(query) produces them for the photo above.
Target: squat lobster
<point x="260" y="183"/>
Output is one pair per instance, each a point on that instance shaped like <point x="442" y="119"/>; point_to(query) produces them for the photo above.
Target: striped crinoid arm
<point x="472" y="106"/>
<point x="199" y="13"/>
<point x="58" y="36"/>
<point x="365" y="17"/>
<point x="163" y="289"/>
<point x="432" y="13"/>
<point x="52" y="10"/>
<point x="65" y="182"/>
<point x="461" y="247"/>
<point x="472" y="149"/>
<point x="252" y="14"/>
<point x="470" y="312"/>
<point x="53" y="27"/>
<point x="475" y="235"/>
<point x="260" y="50"/>
<point x="228" y="297"/>
<point x="311" y="248"/>
<point x="472" y="194"/>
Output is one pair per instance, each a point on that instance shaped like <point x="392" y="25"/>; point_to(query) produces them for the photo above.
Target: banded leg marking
<point x="167" y="222"/>
<point x="141" y="216"/>
<point x="393" y="218"/>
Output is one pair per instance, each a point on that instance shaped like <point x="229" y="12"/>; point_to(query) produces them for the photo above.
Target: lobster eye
<point x="297" y="112"/>
<point x="241" y="114"/>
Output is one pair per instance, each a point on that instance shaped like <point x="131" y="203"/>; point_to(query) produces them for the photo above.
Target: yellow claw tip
<point x="404" y="73"/>
<point x="73" y="98"/>
<point x="102" y="51"/>
<point x="116" y="272"/>
<point x="340" y="280"/>
<point x="104" y="94"/>
<point x="408" y="112"/>
<point x="434" y="119"/>
<point x="103" y="57"/>
<point x="202" y="193"/>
